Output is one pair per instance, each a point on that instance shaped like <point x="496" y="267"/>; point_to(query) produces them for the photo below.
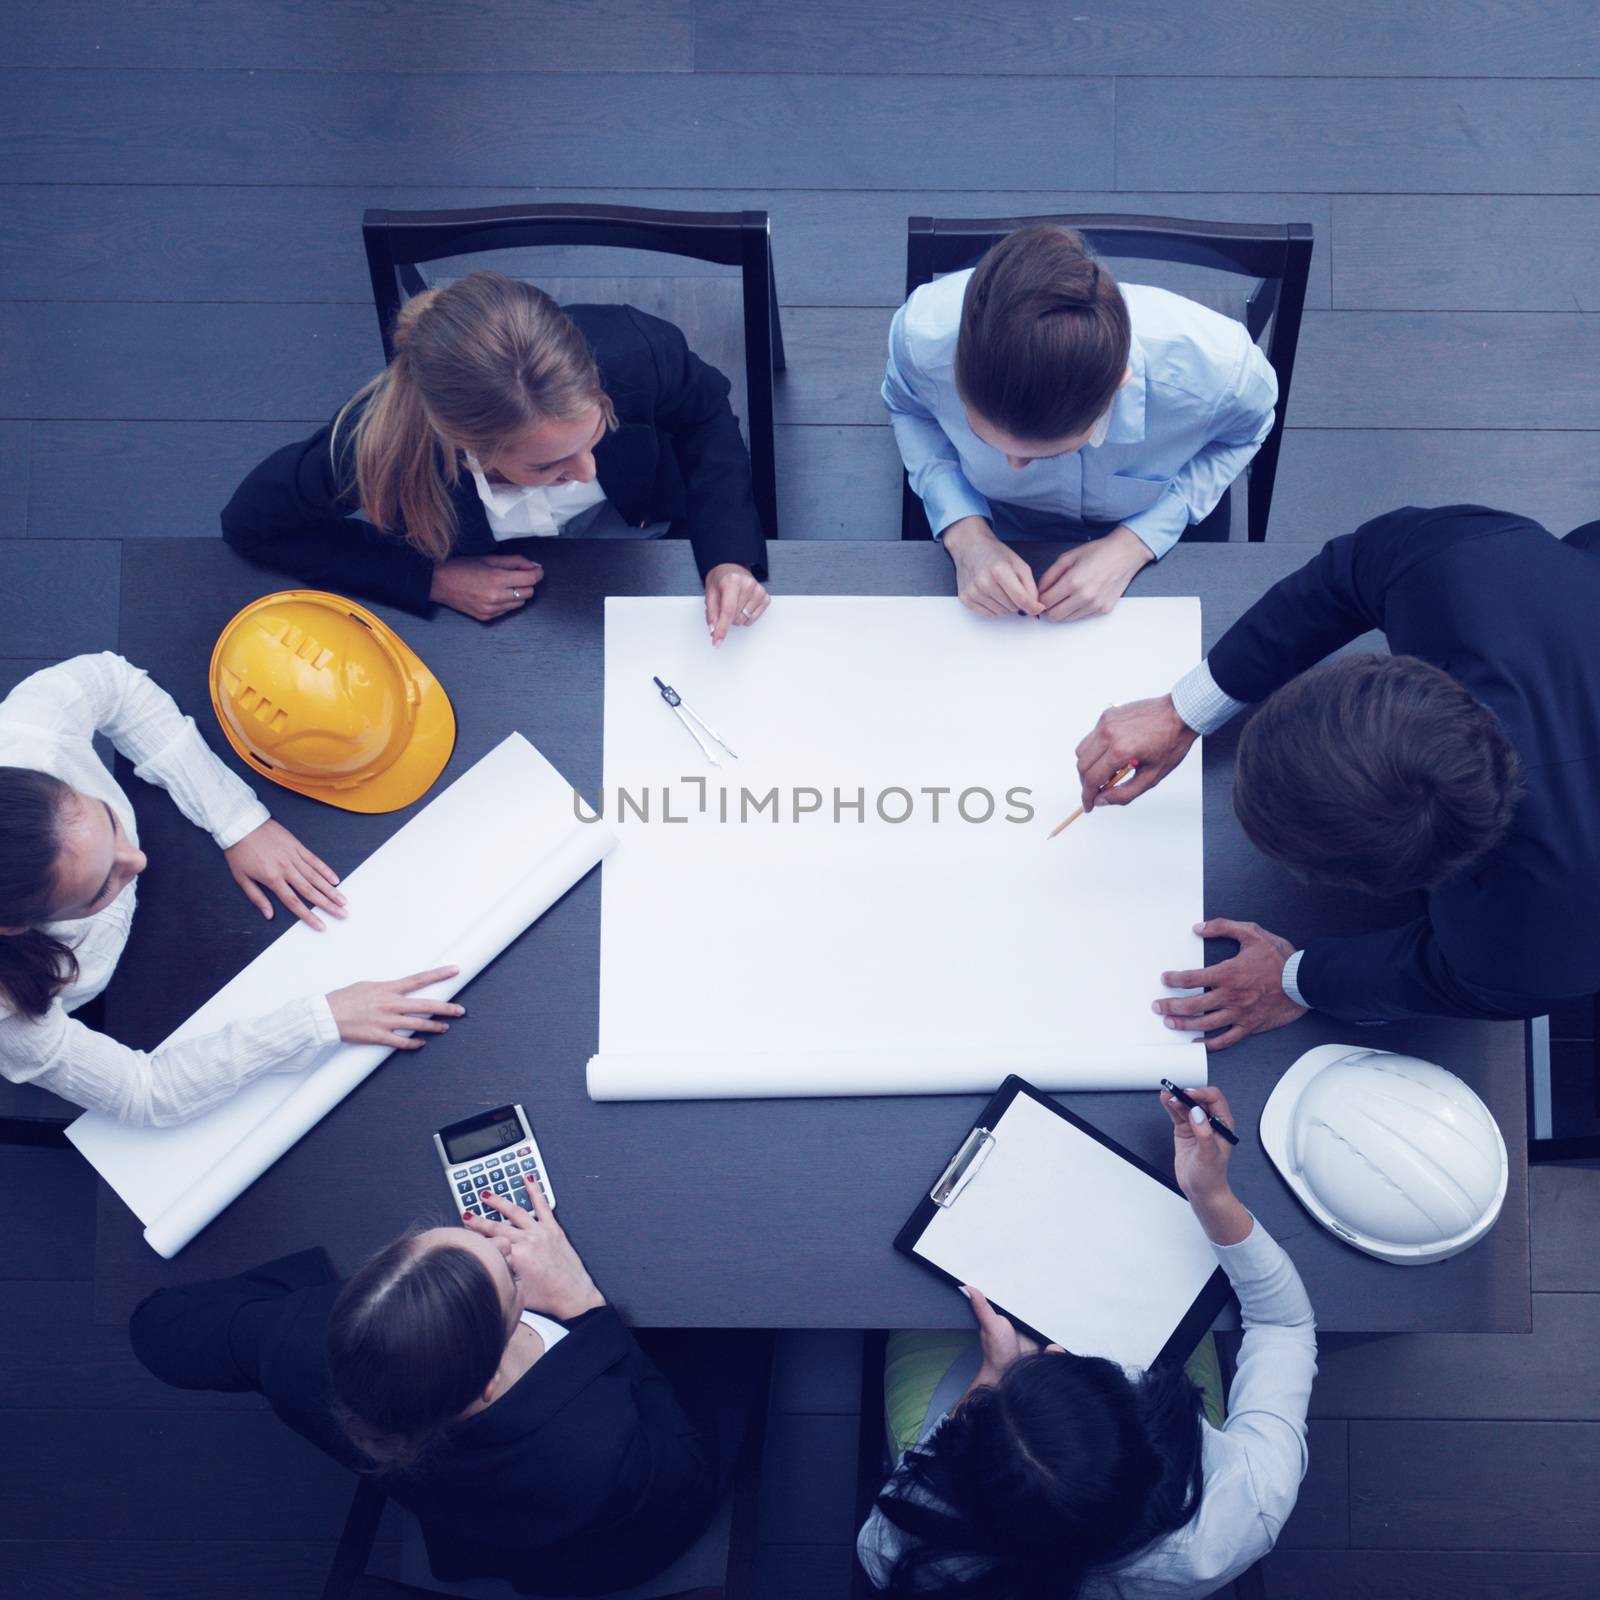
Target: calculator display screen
<point x="479" y="1137"/>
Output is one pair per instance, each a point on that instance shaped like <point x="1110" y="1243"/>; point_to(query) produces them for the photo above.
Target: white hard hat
<point x="1394" y="1155"/>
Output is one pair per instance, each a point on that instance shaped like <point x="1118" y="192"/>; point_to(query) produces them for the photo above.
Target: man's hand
<point x="991" y="578"/>
<point x="1147" y="731"/>
<point x="1244" y="994"/>
<point x="1088" y="579"/>
<point x="271" y="857"/>
<point x="734" y="599"/>
<point x="485" y="587"/>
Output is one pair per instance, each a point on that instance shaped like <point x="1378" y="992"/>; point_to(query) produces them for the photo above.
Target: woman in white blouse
<point x="1039" y="1473"/>
<point x="69" y="861"/>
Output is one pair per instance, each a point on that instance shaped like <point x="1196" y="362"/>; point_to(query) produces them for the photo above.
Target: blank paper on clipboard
<point x="1073" y="1239"/>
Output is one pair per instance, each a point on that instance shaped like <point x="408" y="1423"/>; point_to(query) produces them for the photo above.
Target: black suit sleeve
<point x="1395" y="973"/>
<point x="697" y="422"/>
<point x="218" y="1334"/>
<point x="289" y="515"/>
<point x="1338" y="595"/>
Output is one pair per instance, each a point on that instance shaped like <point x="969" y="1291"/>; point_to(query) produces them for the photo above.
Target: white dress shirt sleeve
<point x="1201" y="703"/>
<point x="167" y="1085"/>
<point x="1291" y="980"/>
<point x="1240" y="421"/>
<point x="931" y="460"/>
<point x="106" y="694"/>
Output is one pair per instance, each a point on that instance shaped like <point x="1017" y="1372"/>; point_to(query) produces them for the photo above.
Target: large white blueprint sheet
<point x="453" y="887"/>
<point x="805" y="947"/>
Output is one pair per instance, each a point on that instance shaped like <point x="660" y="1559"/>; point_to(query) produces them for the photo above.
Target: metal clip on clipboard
<point x="963" y="1167"/>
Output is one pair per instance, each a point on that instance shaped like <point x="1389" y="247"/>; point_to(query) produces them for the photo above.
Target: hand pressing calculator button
<point x="496" y="1152"/>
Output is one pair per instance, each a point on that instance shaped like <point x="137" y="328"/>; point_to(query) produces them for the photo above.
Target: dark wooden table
<point x="719" y="1213"/>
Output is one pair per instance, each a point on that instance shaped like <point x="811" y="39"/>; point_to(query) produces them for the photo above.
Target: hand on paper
<point x="991" y="578"/>
<point x="271" y="856"/>
<point x="384" y="1013"/>
<point x="1200" y="1164"/>
<point x="485" y="587"/>
<point x="1147" y="731"/>
<point x="734" y="599"/>
<point x="1244" y="994"/>
<point x="547" y="1271"/>
<point x="1089" y="579"/>
<point x="1001" y="1343"/>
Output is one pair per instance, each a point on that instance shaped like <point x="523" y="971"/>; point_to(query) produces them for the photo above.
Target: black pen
<point x="1194" y="1105"/>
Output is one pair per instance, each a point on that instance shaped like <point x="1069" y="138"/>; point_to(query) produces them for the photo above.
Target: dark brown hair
<point x="414" y="1338"/>
<point x="1044" y="336"/>
<point x="34" y="967"/>
<point x="1375" y="772"/>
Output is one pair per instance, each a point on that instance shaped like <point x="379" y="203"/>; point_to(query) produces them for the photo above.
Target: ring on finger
<point x="516" y="594"/>
<point x="746" y="613"/>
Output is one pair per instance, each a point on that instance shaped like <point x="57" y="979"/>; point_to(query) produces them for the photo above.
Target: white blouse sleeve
<point x="171" y="1083"/>
<point x="106" y="694"/>
<point x="1271" y="1389"/>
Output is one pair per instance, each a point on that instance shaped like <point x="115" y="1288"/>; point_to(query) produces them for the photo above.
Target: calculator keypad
<point x="507" y="1173"/>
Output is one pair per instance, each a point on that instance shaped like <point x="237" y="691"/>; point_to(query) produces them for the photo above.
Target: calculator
<point x="495" y="1151"/>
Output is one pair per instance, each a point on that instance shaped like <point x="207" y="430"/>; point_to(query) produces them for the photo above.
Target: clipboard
<point x="1082" y="1243"/>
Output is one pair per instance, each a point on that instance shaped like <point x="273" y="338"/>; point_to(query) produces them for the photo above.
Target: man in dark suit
<point x="1466" y="767"/>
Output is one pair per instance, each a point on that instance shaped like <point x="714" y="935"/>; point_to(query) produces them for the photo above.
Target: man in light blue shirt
<point x="1033" y="391"/>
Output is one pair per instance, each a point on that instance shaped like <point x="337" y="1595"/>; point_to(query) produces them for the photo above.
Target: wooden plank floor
<point x="182" y="289"/>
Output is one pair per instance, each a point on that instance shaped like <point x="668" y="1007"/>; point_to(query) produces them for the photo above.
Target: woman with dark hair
<point x="480" y="1371"/>
<point x="505" y="416"/>
<point x="1041" y="1475"/>
<point x="1033" y="395"/>
<point x="69" y="865"/>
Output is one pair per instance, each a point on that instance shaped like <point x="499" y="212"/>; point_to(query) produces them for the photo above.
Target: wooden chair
<point x="1276" y="255"/>
<point x="398" y="242"/>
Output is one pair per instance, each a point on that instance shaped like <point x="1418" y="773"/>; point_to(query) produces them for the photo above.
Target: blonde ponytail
<point x="476" y="365"/>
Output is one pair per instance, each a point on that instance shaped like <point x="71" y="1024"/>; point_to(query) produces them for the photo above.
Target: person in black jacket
<point x="504" y="416"/>
<point x="549" y="1452"/>
<point x="1464" y="768"/>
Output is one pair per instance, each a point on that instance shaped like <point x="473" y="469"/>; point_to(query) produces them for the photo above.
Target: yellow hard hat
<point x="317" y="694"/>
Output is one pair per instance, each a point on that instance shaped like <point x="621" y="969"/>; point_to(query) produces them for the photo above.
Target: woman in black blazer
<point x="548" y="1452"/>
<point x="505" y="416"/>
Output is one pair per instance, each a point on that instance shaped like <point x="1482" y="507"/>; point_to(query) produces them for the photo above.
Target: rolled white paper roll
<point x="779" y="1075"/>
<point x="472" y="949"/>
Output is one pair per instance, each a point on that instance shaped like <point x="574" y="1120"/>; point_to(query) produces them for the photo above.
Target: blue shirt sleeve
<point x="931" y="460"/>
<point x="1241" y="420"/>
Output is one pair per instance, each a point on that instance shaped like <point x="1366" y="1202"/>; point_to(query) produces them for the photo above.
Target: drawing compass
<point x="694" y="722"/>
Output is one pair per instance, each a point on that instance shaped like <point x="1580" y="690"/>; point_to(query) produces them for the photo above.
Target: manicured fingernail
<point x="1155" y="1005"/>
<point x="1197" y="1116"/>
<point x="1171" y="1022"/>
<point x="1199" y="927"/>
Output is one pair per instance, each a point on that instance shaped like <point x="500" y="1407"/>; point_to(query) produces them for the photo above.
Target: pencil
<point x="1116" y="778"/>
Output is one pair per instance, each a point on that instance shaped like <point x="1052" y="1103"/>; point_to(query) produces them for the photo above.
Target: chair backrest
<point x="1276" y="255"/>
<point x="398" y="242"/>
